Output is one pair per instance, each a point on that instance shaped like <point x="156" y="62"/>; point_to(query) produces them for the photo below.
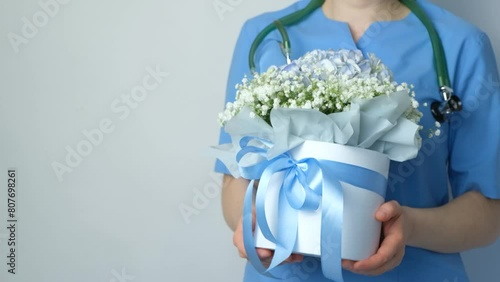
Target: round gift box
<point x="360" y="229"/>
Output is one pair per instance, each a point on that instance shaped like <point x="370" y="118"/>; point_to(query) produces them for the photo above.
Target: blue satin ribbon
<point x="306" y="184"/>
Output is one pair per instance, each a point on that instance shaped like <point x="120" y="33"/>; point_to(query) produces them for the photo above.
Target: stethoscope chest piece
<point x="451" y="103"/>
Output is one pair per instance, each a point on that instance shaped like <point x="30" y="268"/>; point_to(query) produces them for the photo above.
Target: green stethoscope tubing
<point x="437" y="46"/>
<point x="279" y="24"/>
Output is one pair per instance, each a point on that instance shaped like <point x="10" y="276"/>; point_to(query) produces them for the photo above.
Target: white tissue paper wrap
<point x="377" y="124"/>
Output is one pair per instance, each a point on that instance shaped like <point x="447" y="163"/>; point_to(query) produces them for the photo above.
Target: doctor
<point x="424" y="229"/>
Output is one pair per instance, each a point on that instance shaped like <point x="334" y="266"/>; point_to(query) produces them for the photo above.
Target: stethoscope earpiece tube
<point x="437" y="45"/>
<point x="284" y="21"/>
<point x="285" y="45"/>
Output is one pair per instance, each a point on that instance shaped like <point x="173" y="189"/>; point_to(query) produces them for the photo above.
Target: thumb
<point x="387" y="211"/>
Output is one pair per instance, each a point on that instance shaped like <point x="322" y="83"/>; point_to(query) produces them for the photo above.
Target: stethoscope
<point x="440" y="110"/>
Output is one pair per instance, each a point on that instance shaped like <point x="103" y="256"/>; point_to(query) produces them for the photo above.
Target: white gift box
<point x="360" y="230"/>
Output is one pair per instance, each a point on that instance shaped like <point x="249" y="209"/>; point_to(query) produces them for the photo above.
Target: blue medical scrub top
<point x="467" y="153"/>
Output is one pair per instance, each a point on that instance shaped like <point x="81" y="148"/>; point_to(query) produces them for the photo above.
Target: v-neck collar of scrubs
<point x="345" y="32"/>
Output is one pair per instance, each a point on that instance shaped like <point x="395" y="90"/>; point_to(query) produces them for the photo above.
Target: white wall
<point x="115" y="215"/>
<point x="118" y="209"/>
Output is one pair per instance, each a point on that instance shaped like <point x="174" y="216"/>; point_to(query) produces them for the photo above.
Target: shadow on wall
<point x="482" y="264"/>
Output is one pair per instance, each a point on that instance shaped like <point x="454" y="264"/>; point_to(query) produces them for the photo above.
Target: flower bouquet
<point x="319" y="134"/>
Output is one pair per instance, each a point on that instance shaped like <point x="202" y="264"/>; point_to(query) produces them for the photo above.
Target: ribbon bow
<point x="307" y="185"/>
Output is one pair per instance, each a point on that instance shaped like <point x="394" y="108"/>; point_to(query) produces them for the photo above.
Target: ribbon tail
<point x="331" y="226"/>
<point x="248" y="238"/>
<point x="287" y="230"/>
<point x="262" y="191"/>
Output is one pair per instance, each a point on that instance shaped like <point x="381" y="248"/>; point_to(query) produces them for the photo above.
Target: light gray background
<point x="116" y="216"/>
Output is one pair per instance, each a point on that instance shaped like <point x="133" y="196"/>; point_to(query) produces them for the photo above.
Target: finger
<point x="391" y="264"/>
<point x="390" y="247"/>
<point x="348" y="264"/>
<point x="238" y="240"/>
<point x="253" y="218"/>
<point x="294" y="258"/>
<point x="264" y="253"/>
<point x="297" y="257"/>
<point x="387" y="211"/>
<point x="266" y="256"/>
<point x="240" y="247"/>
<point x="266" y="262"/>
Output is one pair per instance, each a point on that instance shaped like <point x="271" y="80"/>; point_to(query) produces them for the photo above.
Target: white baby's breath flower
<point x="307" y="105"/>
<point x="324" y="80"/>
<point x="414" y="103"/>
